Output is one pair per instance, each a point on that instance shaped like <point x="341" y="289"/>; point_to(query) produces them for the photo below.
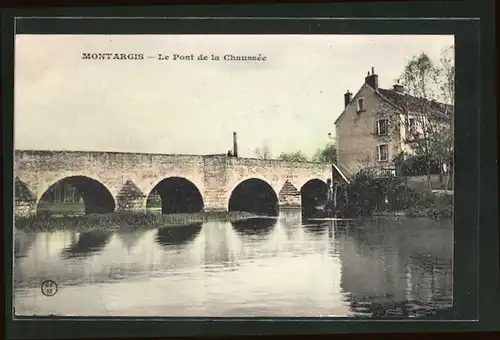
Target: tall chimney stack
<point x="235" y="145"/>
<point x="372" y="79"/>
<point x="347" y="98"/>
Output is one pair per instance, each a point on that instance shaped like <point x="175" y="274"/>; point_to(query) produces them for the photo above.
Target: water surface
<point x="286" y="266"/>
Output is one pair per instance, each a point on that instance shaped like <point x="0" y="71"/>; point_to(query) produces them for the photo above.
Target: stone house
<point x="378" y="124"/>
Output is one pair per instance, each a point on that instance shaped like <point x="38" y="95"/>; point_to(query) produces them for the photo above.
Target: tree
<point x="263" y="152"/>
<point x="297" y="157"/>
<point x="424" y="82"/>
<point x="326" y="155"/>
<point x="446" y="76"/>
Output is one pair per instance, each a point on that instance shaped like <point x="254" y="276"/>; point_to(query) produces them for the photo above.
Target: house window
<point x="383" y="152"/>
<point x="382" y="127"/>
<point x="412" y="128"/>
<point x="411" y="124"/>
<point x="361" y="104"/>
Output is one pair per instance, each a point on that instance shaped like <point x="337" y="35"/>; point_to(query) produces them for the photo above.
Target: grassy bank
<point x="427" y="204"/>
<point x="432" y="206"/>
<point x="116" y="221"/>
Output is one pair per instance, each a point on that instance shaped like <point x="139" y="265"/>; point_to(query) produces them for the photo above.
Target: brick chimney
<point x="372" y="79"/>
<point x="235" y="145"/>
<point x="347" y="98"/>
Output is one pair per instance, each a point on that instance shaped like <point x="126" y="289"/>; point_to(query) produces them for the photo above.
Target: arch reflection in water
<point x="254" y="226"/>
<point x="177" y="235"/>
<point x="87" y="244"/>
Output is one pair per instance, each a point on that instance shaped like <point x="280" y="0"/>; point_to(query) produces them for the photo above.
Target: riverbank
<point x="391" y="214"/>
<point x="434" y="205"/>
<point x="115" y="221"/>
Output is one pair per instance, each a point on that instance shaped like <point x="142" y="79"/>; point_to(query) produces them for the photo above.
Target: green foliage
<point x="419" y="76"/>
<point x="263" y="152"/>
<point x="367" y="194"/>
<point x="431" y="205"/>
<point x="416" y="165"/>
<point x="297" y="157"/>
<point x="326" y="155"/>
<point x="428" y="81"/>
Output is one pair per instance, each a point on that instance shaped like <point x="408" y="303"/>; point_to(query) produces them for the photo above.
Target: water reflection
<point x="254" y="226"/>
<point x="317" y="227"/>
<point x="177" y="235"/>
<point x="291" y="216"/>
<point x="22" y="243"/>
<point x="130" y="237"/>
<point x="86" y="244"/>
<point x="267" y="266"/>
<point x="396" y="267"/>
<point x="220" y="246"/>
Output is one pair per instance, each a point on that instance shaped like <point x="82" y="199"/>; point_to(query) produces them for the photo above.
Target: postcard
<point x="233" y="175"/>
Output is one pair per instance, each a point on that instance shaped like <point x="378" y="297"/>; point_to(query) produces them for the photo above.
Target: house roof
<point x="344" y="173"/>
<point x="411" y="103"/>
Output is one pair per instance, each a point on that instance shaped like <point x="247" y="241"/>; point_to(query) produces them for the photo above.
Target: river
<point x="286" y="266"/>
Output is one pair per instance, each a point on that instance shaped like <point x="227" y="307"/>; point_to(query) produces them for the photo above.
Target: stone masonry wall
<point x="130" y="177"/>
<point x="215" y="179"/>
<point x="276" y="173"/>
<point x="38" y="170"/>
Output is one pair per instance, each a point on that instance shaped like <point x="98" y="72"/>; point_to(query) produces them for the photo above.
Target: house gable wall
<point x="356" y="137"/>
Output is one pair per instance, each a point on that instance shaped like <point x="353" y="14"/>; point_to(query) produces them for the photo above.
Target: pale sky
<point x="288" y="102"/>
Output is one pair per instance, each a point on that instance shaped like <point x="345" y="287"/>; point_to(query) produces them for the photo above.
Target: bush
<point x="433" y="206"/>
<point x="416" y="165"/>
<point x="367" y="194"/>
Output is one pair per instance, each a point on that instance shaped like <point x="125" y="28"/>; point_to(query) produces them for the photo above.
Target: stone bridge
<point x="119" y="181"/>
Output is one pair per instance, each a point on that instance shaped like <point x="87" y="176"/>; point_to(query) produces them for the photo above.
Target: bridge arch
<point x="254" y="195"/>
<point x="313" y="194"/>
<point x="96" y="197"/>
<point x="175" y="194"/>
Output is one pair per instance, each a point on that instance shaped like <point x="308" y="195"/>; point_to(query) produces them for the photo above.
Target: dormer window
<point x="382" y="127"/>
<point x="361" y="104"/>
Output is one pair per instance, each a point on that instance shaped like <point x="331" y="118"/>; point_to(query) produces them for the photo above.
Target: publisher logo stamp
<point x="49" y="288"/>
